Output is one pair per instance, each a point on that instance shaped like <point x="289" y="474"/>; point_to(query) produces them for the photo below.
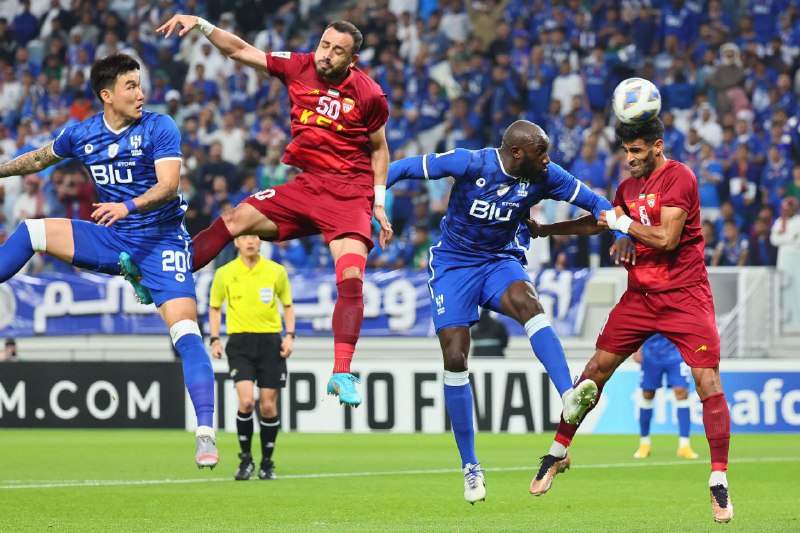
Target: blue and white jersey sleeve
<point x="167" y="145"/>
<point x="567" y="188"/>
<point x="63" y="144"/>
<point x="430" y="166"/>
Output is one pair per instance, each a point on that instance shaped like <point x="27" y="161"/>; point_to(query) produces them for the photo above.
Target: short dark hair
<point x="649" y="131"/>
<point x="342" y="26"/>
<point x="105" y="71"/>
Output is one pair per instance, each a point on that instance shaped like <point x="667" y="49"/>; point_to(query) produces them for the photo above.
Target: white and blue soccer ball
<point x="636" y="100"/>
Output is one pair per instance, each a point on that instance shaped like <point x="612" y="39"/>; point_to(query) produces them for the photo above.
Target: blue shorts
<point x="677" y="372"/>
<point x="461" y="281"/>
<point x="163" y="252"/>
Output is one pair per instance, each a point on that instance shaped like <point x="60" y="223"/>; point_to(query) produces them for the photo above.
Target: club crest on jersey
<point x="113" y="150"/>
<point x="136" y="142"/>
<point x="348" y="104"/>
<point x="88" y="148"/>
<point x="523" y="190"/>
<point x="651" y="200"/>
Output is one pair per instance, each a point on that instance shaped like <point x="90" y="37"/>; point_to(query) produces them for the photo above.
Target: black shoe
<point x="265" y="472"/>
<point x="246" y="467"/>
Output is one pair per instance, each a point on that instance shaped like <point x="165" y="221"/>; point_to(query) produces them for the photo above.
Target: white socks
<point x="718" y="478"/>
<point x="558" y="450"/>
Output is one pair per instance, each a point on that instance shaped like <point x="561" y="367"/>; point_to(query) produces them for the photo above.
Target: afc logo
<point x="136" y="143"/>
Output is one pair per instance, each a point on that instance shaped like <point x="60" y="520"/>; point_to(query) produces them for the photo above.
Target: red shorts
<point x="685" y="316"/>
<point x="310" y="205"/>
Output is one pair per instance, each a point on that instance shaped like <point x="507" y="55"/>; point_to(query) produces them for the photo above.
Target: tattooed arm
<point x="30" y="162"/>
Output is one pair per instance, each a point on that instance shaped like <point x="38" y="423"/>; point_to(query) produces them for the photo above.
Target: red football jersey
<point x="330" y="123"/>
<point x="673" y="185"/>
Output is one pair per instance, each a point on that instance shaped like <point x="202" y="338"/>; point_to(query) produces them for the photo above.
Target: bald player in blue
<point x="478" y="262"/>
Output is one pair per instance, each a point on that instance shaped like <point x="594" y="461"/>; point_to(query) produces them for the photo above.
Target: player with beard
<point x="668" y="293"/>
<point x="338" y="141"/>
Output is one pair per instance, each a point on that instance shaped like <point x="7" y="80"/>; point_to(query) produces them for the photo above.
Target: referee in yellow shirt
<point x="252" y="286"/>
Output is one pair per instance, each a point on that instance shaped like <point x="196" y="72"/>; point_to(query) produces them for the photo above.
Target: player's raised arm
<point x="227" y="43"/>
<point x="430" y="166"/>
<point x="380" y="168"/>
<point x="30" y="162"/>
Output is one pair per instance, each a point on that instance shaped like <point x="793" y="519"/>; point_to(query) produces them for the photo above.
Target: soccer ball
<point x="636" y="100"/>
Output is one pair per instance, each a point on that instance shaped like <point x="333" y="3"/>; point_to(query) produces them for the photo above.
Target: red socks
<point x="566" y="432"/>
<point x="348" y="314"/>
<point x="209" y="243"/>
<point x="717" y="422"/>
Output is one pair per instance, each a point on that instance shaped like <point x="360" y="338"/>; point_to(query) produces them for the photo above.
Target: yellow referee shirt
<point x="252" y="295"/>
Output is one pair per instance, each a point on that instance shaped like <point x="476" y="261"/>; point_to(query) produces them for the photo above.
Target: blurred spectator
<point x="793" y="187"/>
<point x="726" y="213"/>
<point x="709" y="178"/>
<point x="775" y="178"/>
<point x="732" y="250"/>
<point x="489" y="336"/>
<point x="761" y="251"/>
<point x="10" y="351"/>
<point x="216" y="166"/>
<point x="743" y="178"/>
<point x="24" y="25"/>
<point x="30" y="203"/>
<point x="728" y="74"/>
<point x="710" y="239"/>
<point x="566" y="85"/>
<point x="785" y="235"/>
<point x="589" y="169"/>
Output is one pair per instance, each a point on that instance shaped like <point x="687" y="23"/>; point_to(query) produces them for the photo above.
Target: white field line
<point x="27" y="484"/>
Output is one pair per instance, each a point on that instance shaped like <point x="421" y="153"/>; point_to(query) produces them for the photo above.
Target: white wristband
<point x="204" y="26"/>
<point x="380" y="194"/>
<point x="621" y="223"/>
<point x="624" y="223"/>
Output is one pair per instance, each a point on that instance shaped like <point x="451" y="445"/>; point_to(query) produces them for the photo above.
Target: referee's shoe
<point x="246" y="467"/>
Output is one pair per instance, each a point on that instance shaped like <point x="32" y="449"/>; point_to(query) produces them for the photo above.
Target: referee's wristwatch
<point x="292" y="334"/>
<point x="212" y="340"/>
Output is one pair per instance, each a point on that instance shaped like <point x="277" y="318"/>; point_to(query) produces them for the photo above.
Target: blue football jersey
<point x="122" y="163"/>
<point x="487" y="205"/>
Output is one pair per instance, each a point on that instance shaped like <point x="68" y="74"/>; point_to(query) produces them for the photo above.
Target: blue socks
<point x="197" y="372"/>
<point x="684" y="422"/>
<point x="645" y="416"/>
<point x="17" y="250"/>
<point x="549" y="351"/>
<point x="458" y="398"/>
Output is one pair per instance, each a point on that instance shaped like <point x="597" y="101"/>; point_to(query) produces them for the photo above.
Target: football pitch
<point x="137" y="480"/>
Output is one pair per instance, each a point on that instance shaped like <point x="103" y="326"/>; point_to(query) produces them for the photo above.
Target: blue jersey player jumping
<point x="134" y="158"/>
<point x="660" y="358"/>
<point x="477" y="262"/>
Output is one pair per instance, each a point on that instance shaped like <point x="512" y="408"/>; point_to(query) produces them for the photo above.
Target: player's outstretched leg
<point x="579" y="401"/>
<point x="133" y="275"/>
<point x="28" y="238"/>
<point x="685" y="450"/>
<point x="198" y="377"/>
<point x="474" y="483"/>
<point x="557" y="459"/>
<point x="717" y="422"/>
<point x="458" y="399"/>
<point x="645" y="417"/>
<point x="348" y="315"/>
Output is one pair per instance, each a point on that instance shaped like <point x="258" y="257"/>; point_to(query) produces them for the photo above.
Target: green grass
<point x="661" y="493"/>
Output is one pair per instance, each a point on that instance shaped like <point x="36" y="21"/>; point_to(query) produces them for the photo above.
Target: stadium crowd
<point x="456" y="74"/>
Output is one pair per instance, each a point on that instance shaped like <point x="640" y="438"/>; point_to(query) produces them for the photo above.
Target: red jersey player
<point x="338" y="141"/>
<point x="668" y="293"/>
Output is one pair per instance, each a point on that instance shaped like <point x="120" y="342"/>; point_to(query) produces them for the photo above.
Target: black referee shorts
<point x="257" y="357"/>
